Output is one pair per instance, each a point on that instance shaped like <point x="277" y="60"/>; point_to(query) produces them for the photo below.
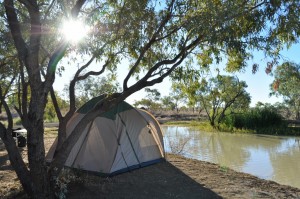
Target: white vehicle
<point x="20" y="136"/>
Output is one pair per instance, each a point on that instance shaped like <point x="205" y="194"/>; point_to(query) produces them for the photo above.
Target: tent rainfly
<point x="119" y="140"/>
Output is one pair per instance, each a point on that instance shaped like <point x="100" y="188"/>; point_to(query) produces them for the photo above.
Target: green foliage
<point x="178" y="123"/>
<point x="223" y="95"/>
<point x="186" y="83"/>
<point x="204" y="126"/>
<point x="95" y="86"/>
<point x="167" y="103"/>
<point x="50" y="113"/>
<point x="286" y="84"/>
<point x="219" y="96"/>
<point x="199" y="125"/>
<point x="148" y="104"/>
<point x="176" y="95"/>
<point x="152" y="94"/>
<point x="18" y="121"/>
<point x="264" y="119"/>
<point x="151" y="101"/>
<point x="223" y="168"/>
<point x="61" y="184"/>
<point x="154" y="36"/>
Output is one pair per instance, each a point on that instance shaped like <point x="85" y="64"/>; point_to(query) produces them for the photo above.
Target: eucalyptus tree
<point x="221" y="96"/>
<point x="286" y="84"/>
<point x="186" y="82"/>
<point x="168" y="103"/>
<point x="93" y="87"/>
<point x="152" y="94"/>
<point x="148" y="104"/>
<point x="176" y="95"/>
<point x="154" y="37"/>
<point x="151" y="101"/>
<point x="8" y="64"/>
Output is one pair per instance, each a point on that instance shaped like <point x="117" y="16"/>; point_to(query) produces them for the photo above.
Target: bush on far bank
<point x="261" y="120"/>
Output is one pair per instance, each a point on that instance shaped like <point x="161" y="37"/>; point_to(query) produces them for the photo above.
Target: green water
<point x="274" y="158"/>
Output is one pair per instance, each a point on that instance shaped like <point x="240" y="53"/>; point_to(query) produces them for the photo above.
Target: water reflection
<point x="269" y="157"/>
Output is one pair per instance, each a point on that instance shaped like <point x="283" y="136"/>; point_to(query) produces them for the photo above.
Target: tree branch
<point x="146" y="47"/>
<point x="14" y="26"/>
<point x="32" y="61"/>
<point x="75" y="10"/>
<point x="13" y="152"/>
<point x="72" y="87"/>
<point x="181" y="55"/>
<point x="60" y="51"/>
<point x="55" y="104"/>
<point x="48" y="9"/>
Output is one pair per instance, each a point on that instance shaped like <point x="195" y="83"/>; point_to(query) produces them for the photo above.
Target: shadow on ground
<point x="162" y="180"/>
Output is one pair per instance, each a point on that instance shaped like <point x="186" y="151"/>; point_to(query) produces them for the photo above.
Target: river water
<point x="274" y="158"/>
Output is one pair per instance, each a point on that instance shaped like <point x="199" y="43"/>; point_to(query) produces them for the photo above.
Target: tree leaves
<point x="287" y="83"/>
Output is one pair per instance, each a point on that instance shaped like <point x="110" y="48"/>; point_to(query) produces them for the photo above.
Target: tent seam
<point x="121" y="151"/>
<point x="130" y="140"/>
<point x="161" y="149"/>
<point x="88" y="131"/>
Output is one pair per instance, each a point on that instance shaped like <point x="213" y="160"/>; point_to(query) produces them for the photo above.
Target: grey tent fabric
<point x="119" y="140"/>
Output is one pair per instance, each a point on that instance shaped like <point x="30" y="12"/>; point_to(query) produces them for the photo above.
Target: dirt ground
<point x="178" y="177"/>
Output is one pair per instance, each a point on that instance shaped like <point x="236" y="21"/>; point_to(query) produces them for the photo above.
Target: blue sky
<point x="258" y="84"/>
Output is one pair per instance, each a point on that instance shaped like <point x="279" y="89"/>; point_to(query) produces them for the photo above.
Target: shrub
<point x="262" y="120"/>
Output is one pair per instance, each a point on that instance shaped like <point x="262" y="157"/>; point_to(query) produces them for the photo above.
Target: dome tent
<point x="121" y="139"/>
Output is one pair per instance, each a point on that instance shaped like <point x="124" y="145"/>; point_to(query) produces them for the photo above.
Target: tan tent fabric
<point x="120" y="140"/>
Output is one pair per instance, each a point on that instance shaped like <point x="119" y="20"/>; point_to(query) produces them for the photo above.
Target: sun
<point x="74" y="30"/>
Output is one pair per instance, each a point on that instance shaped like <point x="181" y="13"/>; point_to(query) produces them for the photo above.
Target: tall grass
<point x="262" y="120"/>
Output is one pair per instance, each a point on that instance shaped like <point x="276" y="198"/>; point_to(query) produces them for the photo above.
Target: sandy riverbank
<point x="178" y="177"/>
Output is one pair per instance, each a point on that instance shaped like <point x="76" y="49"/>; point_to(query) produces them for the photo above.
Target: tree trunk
<point x="212" y="123"/>
<point x="62" y="129"/>
<point x="36" y="158"/>
<point x="16" y="160"/>
<point x="35" y="144"/>
<point x="221" y="117"/>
